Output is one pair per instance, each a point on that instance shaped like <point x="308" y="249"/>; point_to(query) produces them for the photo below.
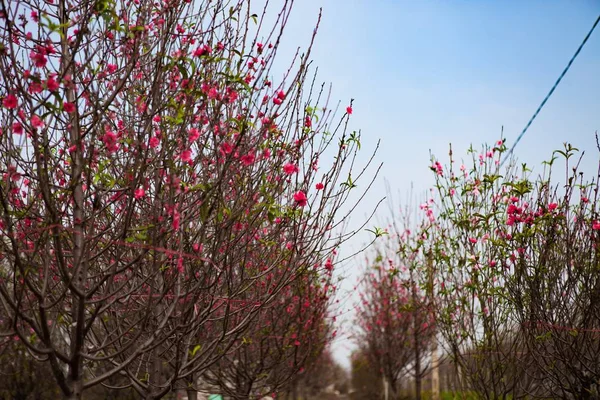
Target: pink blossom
<point x="17" y="128"/>
<point x="319" y="186"/>
<point x="139" y="193"/>
<point x="349" y="110"/>
<point x="193" y="134"/>
<point x="279" y="97"/>
<point x="438" y="168"/>
<point x="202" y="50"/>
<point x="69" y="107"/>
<point x="39" y="59"/>
<point x="552" y="206"/>
<point x="52" y="85"/>
<point x="10" y="102"/>
<point x="37" y="122"/>
<point x="290" y="168"/>
<point x="186" y="155"/>
<point x="35" y="87"/>
<point x="232" y="96"/>
<point x="197" y="247"/>
<point x="110" y="141"/>
<point x="596" y="225"/>
<point x="111" y="68"/>
<point x="176" y="220"/>
<point x="154" y="141"/>
<point x="307" y="122"/>
<point x="248" y="159"/>
<point x="226" y="148"/>
<point x="329" y="265"/>
<point x="300" y="198"/>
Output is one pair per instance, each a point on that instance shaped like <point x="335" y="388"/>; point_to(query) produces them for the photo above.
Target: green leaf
<point x="378" y="232"/>
<point x="197" y="348"/>
<point x="349" y="183"/>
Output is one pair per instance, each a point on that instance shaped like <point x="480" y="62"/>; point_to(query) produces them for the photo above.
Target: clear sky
<point x="427" y="73"/>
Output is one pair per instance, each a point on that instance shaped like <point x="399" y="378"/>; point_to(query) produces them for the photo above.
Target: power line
<point x="551" y="91"/>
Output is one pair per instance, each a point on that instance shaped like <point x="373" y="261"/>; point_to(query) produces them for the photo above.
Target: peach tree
<point x="148" y="156"/>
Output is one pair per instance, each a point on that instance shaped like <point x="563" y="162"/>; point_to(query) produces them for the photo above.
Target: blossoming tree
<point x="147" y="157"/>
<point x="517" y="264"/>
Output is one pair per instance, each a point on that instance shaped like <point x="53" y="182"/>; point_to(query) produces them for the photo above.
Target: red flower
<point x="329" y="265"/>
<point x="69" y="107"/>
<point x="226" y="148"/>
<point x="52" y="85"/>
<point x="248" y="159"/>
<point x="35" y="87"/>
<point x="300" y="198"/>
<point x="186" y="156"/>
<point x="596" y="226"/>
<point x="37" y="122"/>
<point x="111" y="68"/>
<point x="110" y="141"/>
<point x="10" y="102"/>
<point x="176" y="220"/>
<point x="279" y="98"/>
<point x="319" y="186"/>
<point x="552" y="206"/>
<point x="139" y="193"/>
<point x="194" y="134"/>
<point x="349" y="110"/>
<point x="39" y="59"/>
<point x="17" y="128"/>
<point x="200" y="51"/>
<point x="154" y="141"/>
<point x="307" y="122"/>
<point x="290" y="168"/>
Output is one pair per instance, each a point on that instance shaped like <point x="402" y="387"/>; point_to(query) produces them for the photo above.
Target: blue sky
<point x="427" y="73"/>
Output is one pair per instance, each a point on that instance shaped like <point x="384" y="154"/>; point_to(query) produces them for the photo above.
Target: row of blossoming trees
<point x="508" y="263"/>
<point x="169" y="212"/>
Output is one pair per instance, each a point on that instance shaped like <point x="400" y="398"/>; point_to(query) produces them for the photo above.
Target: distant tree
<point x="366" y="379"/>
<point x="22" y="377"/>
<point x="322" y="373"/>
<point x="285" y="338"/>
<point x="395" y="322"/>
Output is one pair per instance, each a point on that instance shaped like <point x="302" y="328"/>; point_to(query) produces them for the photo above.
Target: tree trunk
<point x="435" y="371"/>
<point x="416" y="334"/>
<point x="192" y="394"/>
<point x="385" y="389"/>
<point x="77" y="393"/>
